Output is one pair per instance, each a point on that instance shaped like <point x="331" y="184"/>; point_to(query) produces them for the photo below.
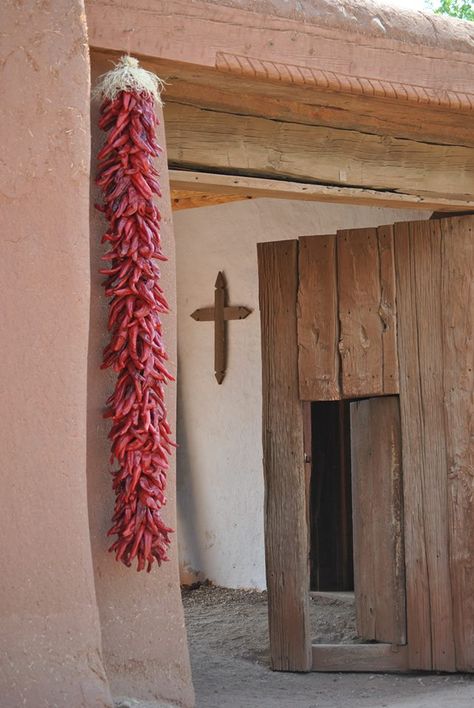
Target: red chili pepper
<point x="140" y="432"/>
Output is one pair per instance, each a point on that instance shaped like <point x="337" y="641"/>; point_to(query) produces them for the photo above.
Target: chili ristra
<point x="140" y="435"/>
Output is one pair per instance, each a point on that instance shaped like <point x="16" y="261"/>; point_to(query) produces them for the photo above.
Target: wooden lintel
<point x="210" y="140"/>
<point x="254" y="187"/>
<point x="360" y="657"/>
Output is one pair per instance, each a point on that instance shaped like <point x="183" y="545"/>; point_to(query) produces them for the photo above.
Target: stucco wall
<point x="220" y="483"/>
<point x="50" y="652"/>
<point x="144" y="638"/>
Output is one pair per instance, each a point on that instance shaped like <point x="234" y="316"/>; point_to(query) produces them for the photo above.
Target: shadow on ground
<point x="227" y="633"/>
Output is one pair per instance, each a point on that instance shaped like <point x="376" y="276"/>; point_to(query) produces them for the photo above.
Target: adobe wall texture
<point x="369" y="18"/>
<point x="50" y="647"/>
<point x="144" y="637"/>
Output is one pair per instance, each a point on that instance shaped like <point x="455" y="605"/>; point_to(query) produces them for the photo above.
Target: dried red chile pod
<point x="140" y="435"/>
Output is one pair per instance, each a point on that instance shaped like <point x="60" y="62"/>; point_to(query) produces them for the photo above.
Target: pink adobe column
<point x="50" y="645"/>
<point x="143" y="632"/>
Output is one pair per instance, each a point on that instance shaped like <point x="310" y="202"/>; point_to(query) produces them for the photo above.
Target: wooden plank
<point x="366" y="288"/>
<point x="458" y="353"/>
<point x="387" y="309"/>
<point x="306" y="191"/>
<point x="379" y="566"/>
<point x="360" y="657"/>
<point x="286" y="528"/>
<point x="189" y="199"/>
<point x="215" y="141"/>
<point x="318" y="324"/>
<point x="418" y="251"/>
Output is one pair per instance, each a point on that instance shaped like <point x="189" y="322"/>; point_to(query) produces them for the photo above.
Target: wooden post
<point x="286" y="527"/>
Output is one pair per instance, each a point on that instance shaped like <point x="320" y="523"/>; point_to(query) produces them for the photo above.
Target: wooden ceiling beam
<point x="216" y="141"/>
<point x="203" y="87"/>
<point x="187" y="181"/>
<point x="192" y="199"/>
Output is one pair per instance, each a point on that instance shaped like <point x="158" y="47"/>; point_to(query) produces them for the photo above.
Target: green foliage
<point x="463" y="9"/>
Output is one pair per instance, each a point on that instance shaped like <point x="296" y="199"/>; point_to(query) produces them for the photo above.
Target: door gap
<point x="331" y="542"/>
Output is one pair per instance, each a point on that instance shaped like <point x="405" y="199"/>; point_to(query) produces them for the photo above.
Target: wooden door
<point x="384" y="313"/>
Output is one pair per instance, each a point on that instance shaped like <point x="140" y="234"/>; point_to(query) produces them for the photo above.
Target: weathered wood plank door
<point x="369" y="314"/>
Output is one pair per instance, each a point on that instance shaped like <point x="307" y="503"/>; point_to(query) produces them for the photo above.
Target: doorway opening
<point x="331" y="537"/>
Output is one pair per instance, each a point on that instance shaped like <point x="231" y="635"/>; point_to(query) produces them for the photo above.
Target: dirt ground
<point x="227" y="633"/>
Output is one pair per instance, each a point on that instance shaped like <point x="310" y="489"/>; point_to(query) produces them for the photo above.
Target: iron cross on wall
<point x="219" y="314"/>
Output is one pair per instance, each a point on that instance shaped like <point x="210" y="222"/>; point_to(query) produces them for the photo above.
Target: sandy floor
<point x="227" y="632"/>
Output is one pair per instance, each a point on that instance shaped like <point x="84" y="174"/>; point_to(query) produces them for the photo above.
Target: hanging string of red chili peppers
<point x="140" y="433"/>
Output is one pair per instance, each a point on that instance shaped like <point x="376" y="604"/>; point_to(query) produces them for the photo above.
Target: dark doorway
<point x="330" y="497"/>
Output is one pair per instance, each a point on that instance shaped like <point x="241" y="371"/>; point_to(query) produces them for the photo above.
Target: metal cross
<point x="219" y="314"/>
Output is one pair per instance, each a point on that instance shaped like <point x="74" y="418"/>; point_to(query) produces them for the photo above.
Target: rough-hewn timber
<point x="213" y="140"/>
<point x="287" y="555"/>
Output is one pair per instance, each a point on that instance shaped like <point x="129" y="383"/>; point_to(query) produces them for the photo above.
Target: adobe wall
<point x="50" y="646"/>
<point x="144" y="637"/>
<point x="220" y="476"/>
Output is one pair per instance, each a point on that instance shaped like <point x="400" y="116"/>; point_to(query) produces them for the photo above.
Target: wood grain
<point x="286" y="526"/>
<point x="360" y="657"/>
<point x="215" y="140"/>
<point x="379" y="566"/>
<point x="366" y="287"/>
<point x="309" y="105"/>
<point x="418" y="250"/>
<point x="457" y="296"/>
<point x="255" y="187"/>
<point x="388" y="309"/>
<point x="188" y="199"/>
<point x="318" y="324"/>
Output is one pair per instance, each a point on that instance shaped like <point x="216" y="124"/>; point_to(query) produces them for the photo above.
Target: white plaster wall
<point x="220" y="482"/>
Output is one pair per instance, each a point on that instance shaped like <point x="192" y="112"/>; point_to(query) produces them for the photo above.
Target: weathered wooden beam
<point x="222" y="184"/>
<point x="310" y="106"/>
<point x="211" y="89"/>
<point x="188" y="199"/>
<point x="360" y="657"/>
<point x="217" y="141"/>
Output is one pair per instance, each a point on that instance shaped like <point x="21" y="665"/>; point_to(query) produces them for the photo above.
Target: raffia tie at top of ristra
<point x="141" y="439"/>
<point x="128" y="75"/>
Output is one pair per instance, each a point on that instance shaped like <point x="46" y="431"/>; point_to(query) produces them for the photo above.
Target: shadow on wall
<point x="187" y="494"/>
